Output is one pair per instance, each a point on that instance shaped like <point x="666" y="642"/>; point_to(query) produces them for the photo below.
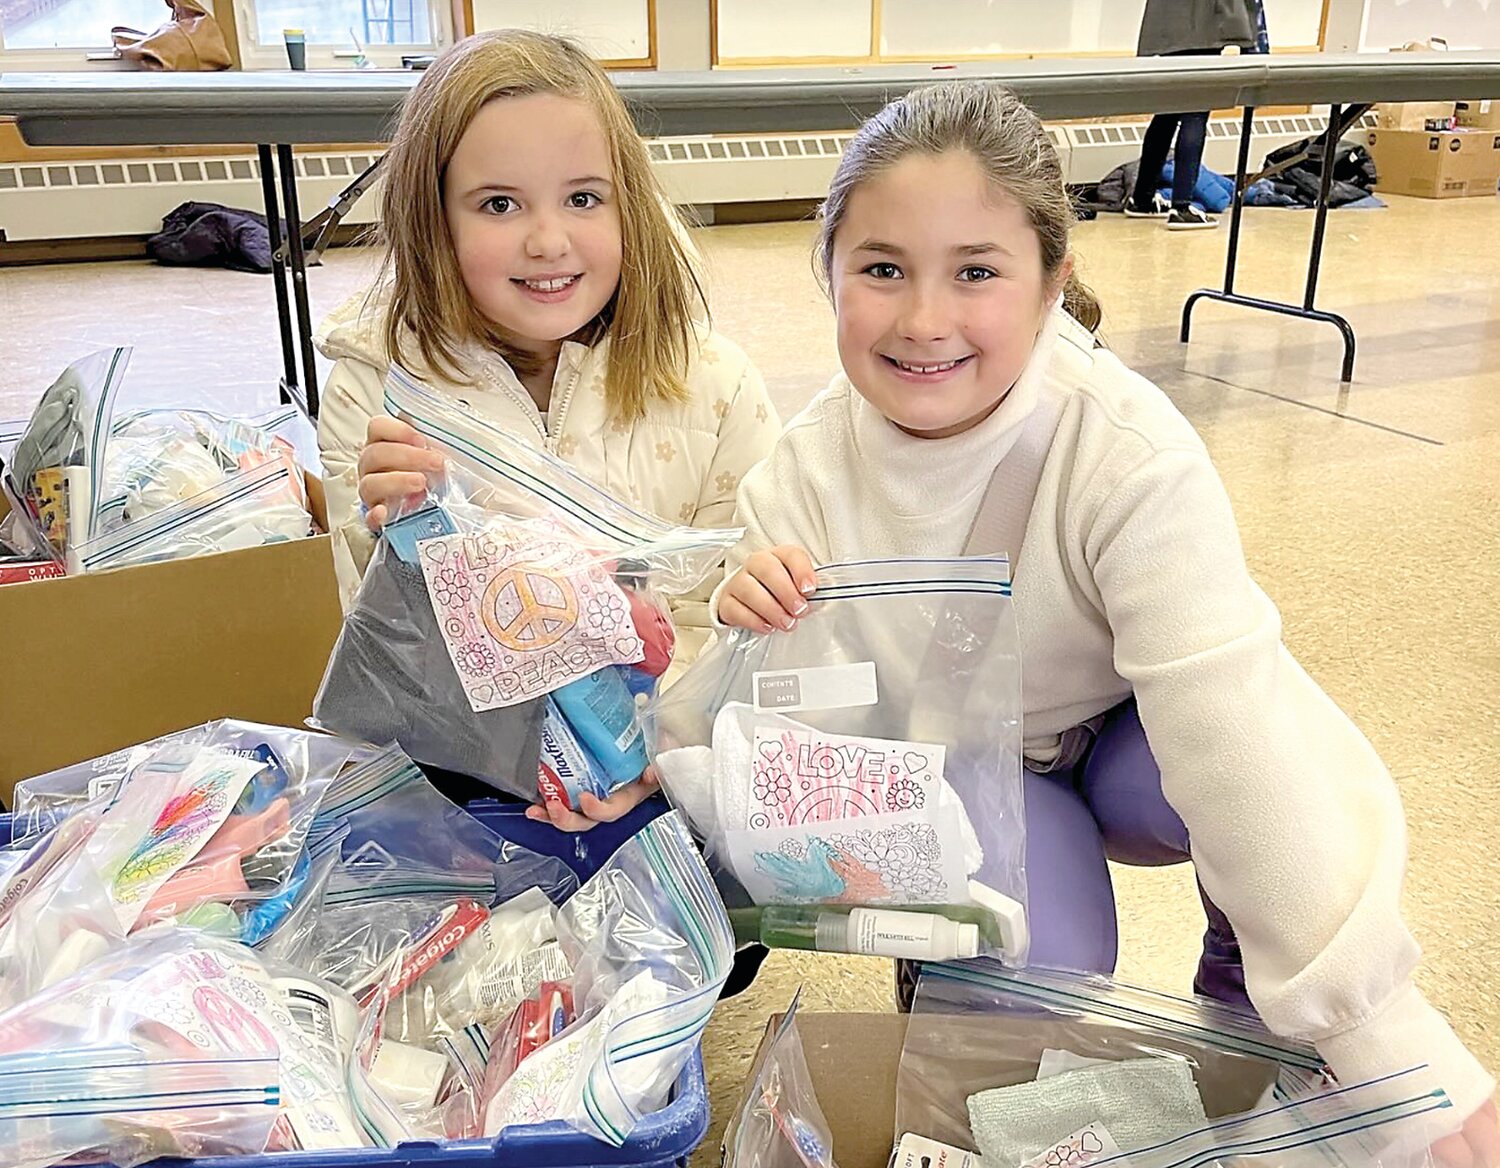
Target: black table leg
<point x="297" y="262"/>
<point x="1236" y="214"/>
<point x="1315" y="255"/>
<point x="290" y="390"/>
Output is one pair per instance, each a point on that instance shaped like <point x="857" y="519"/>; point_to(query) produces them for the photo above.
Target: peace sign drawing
<point x="525" y="609"/>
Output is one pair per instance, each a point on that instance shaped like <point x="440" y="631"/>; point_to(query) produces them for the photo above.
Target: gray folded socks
<point x="1139" y="1102"/>
<point x="390" y="679"/>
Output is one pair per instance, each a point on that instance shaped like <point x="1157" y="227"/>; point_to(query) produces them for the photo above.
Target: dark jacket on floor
<point x="1353" y="174"/>
<point x="208" y="235"/>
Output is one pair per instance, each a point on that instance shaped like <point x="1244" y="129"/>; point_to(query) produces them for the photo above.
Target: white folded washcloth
<point x="1139" y="1102"/>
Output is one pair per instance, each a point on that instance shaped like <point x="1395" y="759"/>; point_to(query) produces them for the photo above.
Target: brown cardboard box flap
<point x="106" y="660"/>
<point x="1413" y="115"/>
<point x="853" y="1059"/>
<point x="1479" y="115"/>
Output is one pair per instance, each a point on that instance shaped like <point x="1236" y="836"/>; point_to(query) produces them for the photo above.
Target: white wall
<point x="961" y="28"/>
<point x="794" y="28"/>
<point x="617" y="30"/>
<point x="1464" y="24"/>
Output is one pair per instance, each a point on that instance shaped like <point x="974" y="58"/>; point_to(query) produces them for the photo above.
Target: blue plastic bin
<point x="666" y="1138"/>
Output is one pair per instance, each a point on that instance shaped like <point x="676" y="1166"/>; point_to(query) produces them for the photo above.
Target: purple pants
<point x="1110" y="805"/>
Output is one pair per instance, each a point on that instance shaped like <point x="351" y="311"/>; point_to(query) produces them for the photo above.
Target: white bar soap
<point x="408" y="1076"/>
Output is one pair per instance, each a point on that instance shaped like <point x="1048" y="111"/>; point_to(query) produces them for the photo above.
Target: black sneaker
<point x="1190" y="219"/>
<point x="1158" y="209"/>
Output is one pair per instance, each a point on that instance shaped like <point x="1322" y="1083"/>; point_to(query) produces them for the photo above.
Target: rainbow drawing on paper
<point x="211" y="785"/>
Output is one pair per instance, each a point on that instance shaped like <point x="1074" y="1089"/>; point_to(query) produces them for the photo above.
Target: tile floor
<point x="1368" y="512"/>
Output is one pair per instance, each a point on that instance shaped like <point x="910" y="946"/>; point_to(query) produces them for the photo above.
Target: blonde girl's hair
<point x="649" y="319"/>
<point x="989" y="122"/>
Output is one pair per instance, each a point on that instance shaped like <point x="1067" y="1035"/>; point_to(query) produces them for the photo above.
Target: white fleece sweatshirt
<point x="1132" y="579"/>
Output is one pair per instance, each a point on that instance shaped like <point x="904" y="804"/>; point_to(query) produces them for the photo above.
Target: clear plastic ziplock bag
<point x="157" y="458"/>
<point x="404" y="853"/>
<point x="183" y="994"/>
<point x="62" y="920"/>
<point x="202" y="826"/>
<point x="118" y="1107"/>
<point x="1386" y="1123"/>
<point x="30" y="862"/>
<point x="308" y="759"/>
<point x="366" y="918"/>
<point x="977" y="1027"/>
<point x="57" y="466"/>
<point x="508" y="621"/>
<point x="435" y="1029"/>
<point x="781" y="1124"/>
<point x="397" y="817"/>
<point x="265" y="504"/>
<point x="869" y="757"/>
<point x="651" y="946"/>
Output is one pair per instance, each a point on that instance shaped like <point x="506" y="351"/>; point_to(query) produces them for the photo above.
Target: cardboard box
<point x="1415" y="115"/>
<point x="1458" y="164"/>
<point x="854" y="1061"/>
<point x="106" y="660"/>
<point x="1478" y="115"/>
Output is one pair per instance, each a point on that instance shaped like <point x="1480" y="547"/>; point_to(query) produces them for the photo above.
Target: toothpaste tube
<point x="567" y="769"/>
<point x="440" y="937"/>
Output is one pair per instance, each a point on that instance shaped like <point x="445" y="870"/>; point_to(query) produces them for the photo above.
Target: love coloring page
<point x="801" y="776"/>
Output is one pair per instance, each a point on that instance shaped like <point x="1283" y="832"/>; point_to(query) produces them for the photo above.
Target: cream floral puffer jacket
<point x="682" y="461"/>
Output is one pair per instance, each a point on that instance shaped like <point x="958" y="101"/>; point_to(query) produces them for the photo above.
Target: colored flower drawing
<point x="477" y="660"/>
<point x="537" y="1091"/>
<point x="772" y="786"/>
<point x="605" y="611"/>
<point x="451" y="586"/>
<point x="907" y="856"/>
<point x="904" y="795"/>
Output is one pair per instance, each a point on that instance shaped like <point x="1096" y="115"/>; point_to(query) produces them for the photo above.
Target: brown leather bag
<point x="190" y="41"/>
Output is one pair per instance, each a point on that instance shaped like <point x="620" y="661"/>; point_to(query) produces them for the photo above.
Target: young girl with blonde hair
<point x="536" y="275"/>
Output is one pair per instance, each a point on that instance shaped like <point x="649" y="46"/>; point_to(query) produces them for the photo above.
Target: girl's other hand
<point x="770" y="592"/>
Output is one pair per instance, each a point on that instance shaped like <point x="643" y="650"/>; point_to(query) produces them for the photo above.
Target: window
<point x="74" y="24"/>
<point x="345" y="22"/>
<point x="335" y="30"/>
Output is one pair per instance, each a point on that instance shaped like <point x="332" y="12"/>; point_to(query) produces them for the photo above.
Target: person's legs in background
<point x="1155" y="147"/>
<point x="1121" y="784"/>
<point x="1070" y="902"/>
<point x="1188" y="161"/>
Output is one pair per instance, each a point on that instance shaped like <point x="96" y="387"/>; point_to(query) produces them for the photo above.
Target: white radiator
<point x="70" y="200"/>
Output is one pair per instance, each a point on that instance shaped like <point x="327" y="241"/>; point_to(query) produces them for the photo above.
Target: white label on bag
<point x="1085" y="1146"/>
<point x="824" y="687"/>
<point x="103" y="785"/>
<point x="916" y="1151"/>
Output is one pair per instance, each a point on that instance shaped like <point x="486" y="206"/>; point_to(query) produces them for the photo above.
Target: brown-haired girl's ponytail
<point x="1081" y="304"/>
